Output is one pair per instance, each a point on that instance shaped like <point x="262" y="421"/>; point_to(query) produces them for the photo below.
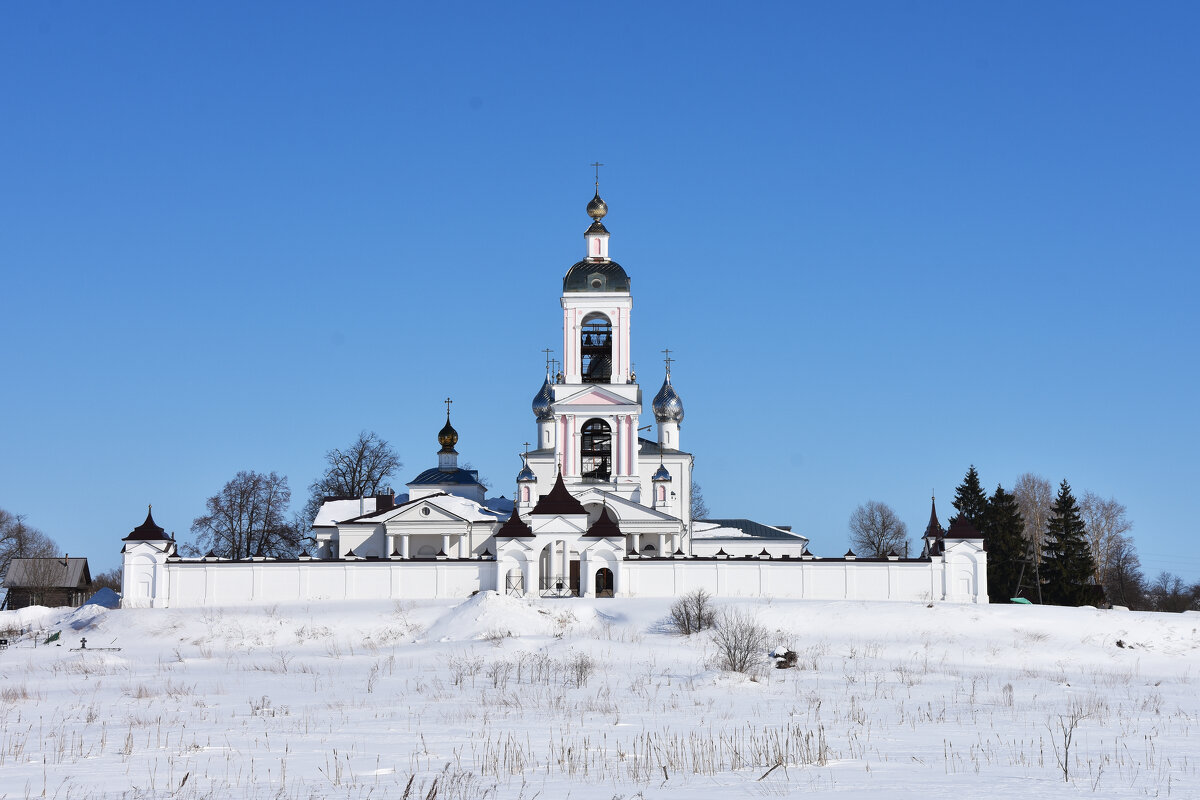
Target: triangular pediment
<point x="594" y="396"/>
<point x="426" y="511"/>
<point x="624" y="510"/>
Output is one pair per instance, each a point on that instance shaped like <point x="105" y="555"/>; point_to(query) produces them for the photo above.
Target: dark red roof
<point x="934" y="528"/>
<point x="961" y="528"/>
<point x="148" y="531"/>
<point x="515" y="528"/>
<point x="604" y="527"/>
<point x="559" y="501"/>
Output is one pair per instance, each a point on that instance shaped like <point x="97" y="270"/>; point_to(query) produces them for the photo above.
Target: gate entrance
<point x="604" y="582"/>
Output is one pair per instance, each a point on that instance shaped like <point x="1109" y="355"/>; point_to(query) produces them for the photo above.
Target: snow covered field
<point x="504" y="698"/>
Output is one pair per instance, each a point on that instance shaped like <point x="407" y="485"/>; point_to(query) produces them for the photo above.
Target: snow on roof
<point x="458" y="506"/>
<point x="335" y="511"/>
<point x="740" y="529"/>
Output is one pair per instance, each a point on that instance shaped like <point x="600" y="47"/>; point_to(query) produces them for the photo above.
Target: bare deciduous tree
<point x="692" y="613"/>
<point x="359" y="470"/>
<point x="18" y="540"/>
<point x="1126" y="585"/>
<point x="699" y="508"/>
<point x="876" y="531"/>
<point x="1106" y="525"/>
<point x="1170" y="593"/>
<point x="109" y="579"/>
<point x="246" y="518"/>
<point x="740" y="641"/>
<point x="1035" y="496"/>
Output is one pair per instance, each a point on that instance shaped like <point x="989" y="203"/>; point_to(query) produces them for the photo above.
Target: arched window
<point x="595" y="349"/>
<point x="595" y="448"/>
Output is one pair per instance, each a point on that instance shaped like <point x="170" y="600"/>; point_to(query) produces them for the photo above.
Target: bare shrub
<point x="692" y="613"/>
<point x="581" y="666"/>
<point x="739" y="639"/>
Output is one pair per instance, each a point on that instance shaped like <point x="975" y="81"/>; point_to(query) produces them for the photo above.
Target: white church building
<point x="598" y="510"/>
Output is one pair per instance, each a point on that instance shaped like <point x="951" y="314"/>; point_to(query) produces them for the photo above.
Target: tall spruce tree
<point x="970" y="501"/>
<point x="1068" y="570"/>
<point x="1002" y="531"/>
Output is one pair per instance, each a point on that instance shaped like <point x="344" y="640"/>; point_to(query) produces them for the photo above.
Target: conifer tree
<point x="970" y="501"/>
<point x="1002" y="531"/>
<point x="1067" y="566"/>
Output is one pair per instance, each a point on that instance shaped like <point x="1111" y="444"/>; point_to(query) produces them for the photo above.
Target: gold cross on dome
<point x="597" y="165"/>
<point x="547" y="351"/>
<point x="447" y="401"/>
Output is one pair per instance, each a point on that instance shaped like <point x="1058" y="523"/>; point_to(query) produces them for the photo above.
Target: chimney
<point x="385" y="501"/>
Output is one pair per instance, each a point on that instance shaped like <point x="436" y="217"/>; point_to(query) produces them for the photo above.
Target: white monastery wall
<point x="959" y="577"/>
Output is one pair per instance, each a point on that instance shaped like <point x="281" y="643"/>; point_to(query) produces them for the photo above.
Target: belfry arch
<point x="595" y="451"/>
<point x="595" y="348"/>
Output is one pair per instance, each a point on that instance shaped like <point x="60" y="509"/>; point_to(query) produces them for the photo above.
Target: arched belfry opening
<point x="595" y="348"/>
<point x="595" y="450"/>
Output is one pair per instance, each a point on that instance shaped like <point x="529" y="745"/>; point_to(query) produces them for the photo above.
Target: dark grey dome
<point x="596" y="276"/>
<point x="542" y="402"/>
<point x="526" y="474"/>
<point x="600" y="369"/>
<point x="667" y="405"/>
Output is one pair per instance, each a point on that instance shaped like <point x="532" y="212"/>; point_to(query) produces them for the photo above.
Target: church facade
<point x="598" y="511"/>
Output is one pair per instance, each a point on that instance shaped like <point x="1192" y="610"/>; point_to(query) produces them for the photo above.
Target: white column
<point x="566" y="563"/>
<point x="587" y="585"/>
<point x="636" y="539"/>
<point x="389" y="544"/>
<point x="404" y="545"/>
<point x="622" y="443"/>
<point x="446" y="543"/>
<point x="662" y="543"/>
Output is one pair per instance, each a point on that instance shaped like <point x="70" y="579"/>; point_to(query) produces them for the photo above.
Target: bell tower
<point x="588" y="412"/>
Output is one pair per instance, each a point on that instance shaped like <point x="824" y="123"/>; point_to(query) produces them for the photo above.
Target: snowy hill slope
<point x="498" y="697"/>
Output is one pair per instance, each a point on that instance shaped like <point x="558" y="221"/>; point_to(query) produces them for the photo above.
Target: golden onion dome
<point x="447" y="436"/>
<point x="597" y="208"/>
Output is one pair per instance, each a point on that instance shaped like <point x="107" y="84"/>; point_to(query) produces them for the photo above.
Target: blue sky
<point x="884" y="241"/>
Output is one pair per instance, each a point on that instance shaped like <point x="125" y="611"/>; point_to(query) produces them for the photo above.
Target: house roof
<point x="736" y="528"/>
<point x="47" y="572"/>
<point x="558" y="501"/>
<point x="652" y="448"/>
<point x="436" y="476"/>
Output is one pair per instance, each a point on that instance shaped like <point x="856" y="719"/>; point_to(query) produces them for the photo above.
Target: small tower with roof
<point x="664" y="496"/>
<point x="526" y="487"/>
<point x="668" y="409"/>
<point x="447" y="476"/>
<point x="144" y="559"/>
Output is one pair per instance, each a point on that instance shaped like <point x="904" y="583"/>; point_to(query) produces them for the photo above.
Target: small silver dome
<point x="526" y="474"/>
<point x="661" y="474"/>
<point x="543" y="403"/>
<point x="667" y="405"/>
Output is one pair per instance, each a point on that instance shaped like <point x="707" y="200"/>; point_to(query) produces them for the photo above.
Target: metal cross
<point x="526" y="447"/>
<point x="597" y="165"/>
<point x="547" y="351"/>
<point x="448" y="401"/>
<point x="667" y="360"/>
